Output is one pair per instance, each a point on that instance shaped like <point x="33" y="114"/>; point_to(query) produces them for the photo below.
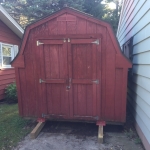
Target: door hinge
<point x="68" y="40"/>
<point x="41" y="81"/>
<point x="38" y="43"/>
<point x="95" y="81"/>
<point x="96" y="42"/>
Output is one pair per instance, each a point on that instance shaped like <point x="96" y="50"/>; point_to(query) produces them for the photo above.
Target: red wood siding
<point x="105" y="61"/>
<point x="7" y="76"/>
<point x="8" y="36"/>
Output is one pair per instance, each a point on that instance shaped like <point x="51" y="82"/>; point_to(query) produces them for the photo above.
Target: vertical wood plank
<point x="75" y="75"/>
<point x="23" y="92"/>
<point x="110" y="82"/>
<point x="118" y="94"/>
<point x="81" y="100"/>
<point x="70" y="65"/>
<point x="71" y="27"/>
<point x="37" y="76"/>
<point x="53" y="29"/>
<point x="43" y="76"/>
<point x="103" y="69"/>
<point x="89" y="99"/>
<point x="29" y="78"/>
<point x="81" y="26"/>
<point x="75" y="100"/>
<point x="63" y="75"/>
<point x="47" y="58"/>
<point x="91" y="27"/>
<point x="124" y="94"/>
<point x="89" y="93"/>
<point x="54" y="52"/>
<point x="19" y="91"/>
<point x="89" y="61"/>
<point x="62" y="27"/>
<point x="99" y="77"/>
<point x="94" y="72"/>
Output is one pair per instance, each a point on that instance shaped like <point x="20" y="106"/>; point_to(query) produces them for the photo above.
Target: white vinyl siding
<point x="135" y="22"/>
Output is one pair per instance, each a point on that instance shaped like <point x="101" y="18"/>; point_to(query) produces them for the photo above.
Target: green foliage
<point x="36" y="9"/>
<point x="94" y="8"/>
<point x="28" y="11"/>
<point x="130" y="134"/>
<point x="12" y="128"/>
<point x="11" y="93"/>
<point x="112" y="15"/>
<point x="138" y="141"/>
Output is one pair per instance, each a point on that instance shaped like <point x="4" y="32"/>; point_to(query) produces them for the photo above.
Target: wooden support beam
<point x="37" y="130"/>
<point x="100" y="134"/>
<point x="100" y="131"/>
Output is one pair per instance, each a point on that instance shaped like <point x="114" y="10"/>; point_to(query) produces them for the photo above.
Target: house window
<point x="7" y="54"/>
<point x="128" y="49"/>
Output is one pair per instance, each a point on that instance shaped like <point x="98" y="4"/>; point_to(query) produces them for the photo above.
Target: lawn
<point x="12" y="127"/>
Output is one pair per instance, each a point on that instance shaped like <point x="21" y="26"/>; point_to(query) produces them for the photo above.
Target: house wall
<point x="135" y="22"/>
<point x="7" y="76"/>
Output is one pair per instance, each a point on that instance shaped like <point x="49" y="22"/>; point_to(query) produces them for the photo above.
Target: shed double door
<point x="71" y="78"/>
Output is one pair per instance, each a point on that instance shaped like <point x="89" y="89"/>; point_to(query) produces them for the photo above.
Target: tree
<point x="112" y="15"/>
<point x="94" y="7"/>
<point x="32" y="10"/>
<point x="28" y="11"/>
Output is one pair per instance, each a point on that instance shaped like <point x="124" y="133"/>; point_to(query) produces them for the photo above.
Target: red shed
<point x="70" y="67"/>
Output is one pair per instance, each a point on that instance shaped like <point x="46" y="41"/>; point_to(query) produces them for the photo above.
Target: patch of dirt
<point x="83" y="136"/>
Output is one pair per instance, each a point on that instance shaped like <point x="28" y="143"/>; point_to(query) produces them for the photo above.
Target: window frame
<point x="12" y="54"/>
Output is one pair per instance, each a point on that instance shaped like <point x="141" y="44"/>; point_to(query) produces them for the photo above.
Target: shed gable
<point x="66" y="24"/>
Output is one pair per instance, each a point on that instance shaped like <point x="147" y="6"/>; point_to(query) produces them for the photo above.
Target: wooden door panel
<point x="74" y="64"/>
<point x="56" y="75"/>
<point x="57" y="100"/>
<point x="84" y="58"/>
<point x="82" y="100"/>
<point x="82" y="61"/>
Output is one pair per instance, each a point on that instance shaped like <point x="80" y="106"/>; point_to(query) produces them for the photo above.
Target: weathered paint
<point x="70" y="65"/>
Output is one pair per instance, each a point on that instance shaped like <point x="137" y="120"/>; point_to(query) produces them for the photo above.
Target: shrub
<point x="11" y="93"/>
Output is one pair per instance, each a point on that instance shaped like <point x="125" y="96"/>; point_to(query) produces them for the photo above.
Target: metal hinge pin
<point x="38" y="43"/>
<point x="96" y="81"/>
<point x="96" y="42"/>
<point x="41" y="81"/>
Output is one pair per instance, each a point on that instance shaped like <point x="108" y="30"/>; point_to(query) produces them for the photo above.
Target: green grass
<point x="12" y="127"/>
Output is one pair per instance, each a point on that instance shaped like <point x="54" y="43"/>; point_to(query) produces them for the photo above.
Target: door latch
<point x="69" y="86"/>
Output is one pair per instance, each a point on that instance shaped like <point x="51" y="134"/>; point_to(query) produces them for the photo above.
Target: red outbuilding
<point x="70" y="67"/>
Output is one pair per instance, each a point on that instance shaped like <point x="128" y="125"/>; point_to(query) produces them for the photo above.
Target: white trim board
<point x="10" y="22"/>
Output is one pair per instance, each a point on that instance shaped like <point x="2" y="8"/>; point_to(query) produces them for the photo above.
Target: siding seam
<point x="138" y="94"/>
